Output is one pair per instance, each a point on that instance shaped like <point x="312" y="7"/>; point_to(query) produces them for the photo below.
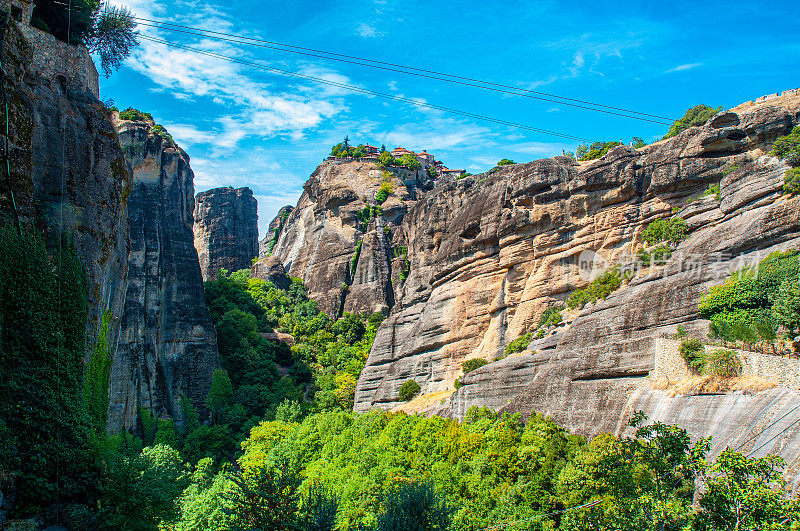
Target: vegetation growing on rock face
<point x="672" y="230"/>
<point x="697" y="115"/>
<point x="752" y="303"/>
<point x="599" y="288"/>
<point x="595" y="150"/>
<point x="788" y="148"/>
<point x="475" y="363"/>
<point x="505" y="162"/>
<point x="408" y="390"/>
<point x="723" y="363"/>
<point x="519" y="344"/>
<point x="693" y="354"/>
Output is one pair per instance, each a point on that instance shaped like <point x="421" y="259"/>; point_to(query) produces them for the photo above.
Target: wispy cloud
<point x="681" y="68"/>
<point x="367" y="31"/>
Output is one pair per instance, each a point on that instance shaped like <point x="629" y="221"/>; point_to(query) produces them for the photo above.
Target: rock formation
<point x="271" y="269"/>
<point x="347" y="248"/>
<point x="68" y="173"/>
<point x="167" y="345"/>
<point x="225" y="229"/>
<point x="274" y="230"/>
<point x="489" y="253"/>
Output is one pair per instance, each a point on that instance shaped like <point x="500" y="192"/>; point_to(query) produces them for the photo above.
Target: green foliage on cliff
<point x="673" y="230"/>
<point x="505" y="162"/>
<point x="385" y="190"/>
<point x="599" y="288"/>
<point x="519" y="344"/>
<point x="47" y="444"/>
<point x="788" y="147"/>
<point x="595" y="150"/>
<point x="723" y="362"/>
<point x="693" y="354"/>
<point x="755" y="299"/>
<point x="408" y="390"/>
<point x="96" y="377"/>
<point x="697" y="115"/>
<point x="135" y="115"/>
<point x="471" y="365"/>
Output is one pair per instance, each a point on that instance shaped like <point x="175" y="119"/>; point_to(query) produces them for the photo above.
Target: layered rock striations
<point x="167" y="345"/>
<point x="347" y="246"/>
<point x="489" y="253"/>
<point x="225" y="229"/>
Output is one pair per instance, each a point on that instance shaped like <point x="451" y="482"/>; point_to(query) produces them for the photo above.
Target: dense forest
<point x="282" y="450"/>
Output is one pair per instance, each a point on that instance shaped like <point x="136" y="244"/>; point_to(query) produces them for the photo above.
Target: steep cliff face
<point x="489" y="253"/>
<point x="347" y="248"/>
<point x="68" y="173"/>
<point x="225" y="229"/>
<point x="274" y="231"/>
<point x="167" y="344"/>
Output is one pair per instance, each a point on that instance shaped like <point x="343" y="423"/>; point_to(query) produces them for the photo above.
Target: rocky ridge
<point x="348" y="249"/>
<point x="225" y="229"/>
<point x="489" y="253"/>
<point x="167" y="344"/>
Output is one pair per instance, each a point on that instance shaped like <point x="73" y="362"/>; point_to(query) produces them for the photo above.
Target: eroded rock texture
<point x="225" y="229"/>
<point x="167" y="344"/>
<point x="274" y="230"/>
<point x="67" y="172"/>
<point x="489" y="253"/>
<point x="348" y="253"/>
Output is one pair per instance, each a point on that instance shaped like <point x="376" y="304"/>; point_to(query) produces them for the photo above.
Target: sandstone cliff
<point x="274" y="230"/>
<point x="68" y="173"/>
<point x="225" y="229"/>
<point x="489" y="253"/>
<point x="167" y="344"/>
<point x="347" y="248"/>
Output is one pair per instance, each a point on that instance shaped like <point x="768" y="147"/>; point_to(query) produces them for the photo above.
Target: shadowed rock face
<point x="274" y="230"/>
<point x="67" y="173"/>
<point x="271" y="269"/>
<point x="225" y="229"/>
<point x="349" y="261"/>
<point x="489" y="253"/>
<point x="167" y="345"/>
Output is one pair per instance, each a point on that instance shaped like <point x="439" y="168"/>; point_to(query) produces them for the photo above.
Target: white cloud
<point x="681" y="68"/>
<point x="367" y="31"/>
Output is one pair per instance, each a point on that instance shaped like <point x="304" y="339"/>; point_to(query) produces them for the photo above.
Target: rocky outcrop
<point x="225" y="229"/>
<point x="489" y="253"/>
<point x="271" y="270"/>
<point x="347" y="248"/>
<point x="68" y="173"/>
<point x="167" y="345"/>
<point x="274" y="231"/>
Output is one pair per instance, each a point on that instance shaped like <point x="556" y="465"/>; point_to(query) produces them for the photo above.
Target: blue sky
<point x="246" y="127"/>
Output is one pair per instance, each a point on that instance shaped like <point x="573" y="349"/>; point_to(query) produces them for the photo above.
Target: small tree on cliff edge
<point x="113" y="38"/>
<point x="109" y="31"/>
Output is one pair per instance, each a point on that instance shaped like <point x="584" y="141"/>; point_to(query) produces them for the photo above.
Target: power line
<point x="766" y="428"/>
<point x="408" y="70"/>
<point x="367" y="91"/>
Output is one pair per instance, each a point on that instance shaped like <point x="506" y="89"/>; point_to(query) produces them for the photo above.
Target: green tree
<point x="697" y="115"/>
<point x="743" y="493"/>
<point x="221" y="392"/>
<point x="413" y="506"/>
<point x="113" y="38"/>
<point x="409" y="390"/>
<point x="265" y="499"/>
<point x="319" y="509"/>
<point x="505" y="162"/>
<point x="786" y="307"/>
